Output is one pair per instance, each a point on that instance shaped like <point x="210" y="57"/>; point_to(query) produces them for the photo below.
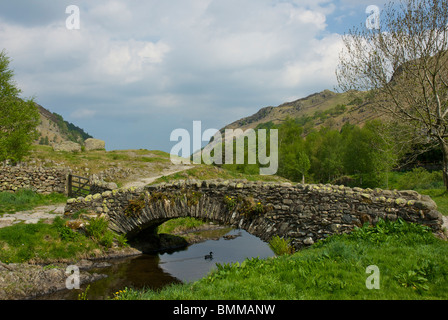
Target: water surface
<point x="155" y="271"/>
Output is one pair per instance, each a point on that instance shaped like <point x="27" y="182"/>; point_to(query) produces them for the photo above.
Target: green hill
<point x="324" y="108"/>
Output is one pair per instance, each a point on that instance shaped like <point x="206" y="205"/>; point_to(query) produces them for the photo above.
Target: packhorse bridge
<point x="302" y="213"/>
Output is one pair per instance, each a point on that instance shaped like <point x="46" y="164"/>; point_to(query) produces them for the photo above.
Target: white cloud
<point x="131" y="60"/>
<point x="318" y="65"/>
<point x="190" y="59"/>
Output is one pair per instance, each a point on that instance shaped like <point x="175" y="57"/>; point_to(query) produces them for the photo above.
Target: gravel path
<point x="144" y="181"/>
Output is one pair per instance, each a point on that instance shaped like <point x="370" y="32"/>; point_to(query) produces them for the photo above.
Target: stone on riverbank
<point x="26" y="281"/>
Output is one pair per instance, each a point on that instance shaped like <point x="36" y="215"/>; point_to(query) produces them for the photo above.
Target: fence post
<point x="69" y="185"/>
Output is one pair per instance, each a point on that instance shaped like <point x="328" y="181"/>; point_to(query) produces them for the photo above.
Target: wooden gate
<point x="78" y="186"/>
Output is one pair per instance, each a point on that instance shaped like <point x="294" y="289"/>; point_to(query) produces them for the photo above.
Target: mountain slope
<point x="323" y="108"/>
<point x="54" y="129"/>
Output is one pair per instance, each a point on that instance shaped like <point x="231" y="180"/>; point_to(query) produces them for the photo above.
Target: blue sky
<point x="136" y="70"/>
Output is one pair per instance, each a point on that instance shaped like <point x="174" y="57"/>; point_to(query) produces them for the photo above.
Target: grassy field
<point x="136" y="163"/>
<point x="96" y="159"/>
<point x="412" y="264"/>
<point x="206" y="172"/>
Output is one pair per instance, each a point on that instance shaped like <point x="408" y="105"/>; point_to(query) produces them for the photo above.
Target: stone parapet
<point x="303" y="213"/>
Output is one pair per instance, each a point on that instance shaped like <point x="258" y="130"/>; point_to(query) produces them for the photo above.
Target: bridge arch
<point x="160" y="204"/>
<point x="302" y="213"/>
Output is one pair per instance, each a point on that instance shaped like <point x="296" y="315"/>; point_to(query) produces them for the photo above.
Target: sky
<point x="131" y="72"/>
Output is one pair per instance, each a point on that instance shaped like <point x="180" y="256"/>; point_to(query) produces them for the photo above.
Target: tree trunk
<point x="444" y="147"/>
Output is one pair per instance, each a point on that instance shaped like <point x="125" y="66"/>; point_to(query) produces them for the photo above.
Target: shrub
<point x="419" y="178"/>
<point x="249" y="208"/>
<point x="107" y="239"/>
<point x="64" y="231"/>
<point x="230" y="202"/>
<point x="98" y="230"/>
<point x="386" y="231"/>
<point x="281" y="246"/>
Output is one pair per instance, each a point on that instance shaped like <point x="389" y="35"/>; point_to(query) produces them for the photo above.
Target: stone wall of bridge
<point x="302" y="213"/>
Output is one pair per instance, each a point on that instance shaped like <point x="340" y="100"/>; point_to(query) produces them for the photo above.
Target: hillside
<point x="54" y="129"/>
<point x="324" y="108"/>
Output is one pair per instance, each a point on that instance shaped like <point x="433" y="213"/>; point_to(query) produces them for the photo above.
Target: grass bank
<point x="26" y="200"/>
<point x="44" y="242"/>
<point x="412" y="264"/>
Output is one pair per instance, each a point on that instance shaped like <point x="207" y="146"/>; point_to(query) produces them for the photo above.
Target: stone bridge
<point x="302" y="213"/>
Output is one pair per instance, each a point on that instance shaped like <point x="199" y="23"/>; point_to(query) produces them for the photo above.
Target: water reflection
<point x="155" y="271"/>
<point x="190" y="265"/>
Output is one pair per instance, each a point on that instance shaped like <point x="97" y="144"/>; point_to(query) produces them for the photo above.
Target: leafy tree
<point x="368" y="154"/>
<point x="405" y="64"/>
<point x="19" y="118"/>
<point x="330" y="154"/>
<point x="303" y="164"/>
<point x="292" y="157"/>
<point x="324" y="148"/>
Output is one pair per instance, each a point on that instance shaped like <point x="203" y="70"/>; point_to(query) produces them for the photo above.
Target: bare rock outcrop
<point x="68" y="146"/>
<point x="94" y="144"/>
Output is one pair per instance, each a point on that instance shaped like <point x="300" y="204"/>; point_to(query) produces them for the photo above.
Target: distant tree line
<point x="73" y="132"/>
<point x="353" y="155"/>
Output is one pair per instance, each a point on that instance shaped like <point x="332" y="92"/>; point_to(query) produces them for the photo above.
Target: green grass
<point x="413" y="264"/>
<point x="44" y="242"/>
<point x="440" y="197"/>
<point x="179" y="225"/>
<point x="280" y="246"/>
<point x="26" y="200"/>
<point x="205" y="172"/>
<point x="99" y="160"/>
<point x="424" y="182"/>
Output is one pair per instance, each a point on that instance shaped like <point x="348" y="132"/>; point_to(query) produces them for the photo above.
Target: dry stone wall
<point x="39" y="179"/>
<point x="302" y="213"/>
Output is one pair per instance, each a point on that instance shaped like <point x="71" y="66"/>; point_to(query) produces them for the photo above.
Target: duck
<point x="209" y="256"/>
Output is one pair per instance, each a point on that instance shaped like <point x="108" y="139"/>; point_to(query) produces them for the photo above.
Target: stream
<point x="155" y="271"/>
